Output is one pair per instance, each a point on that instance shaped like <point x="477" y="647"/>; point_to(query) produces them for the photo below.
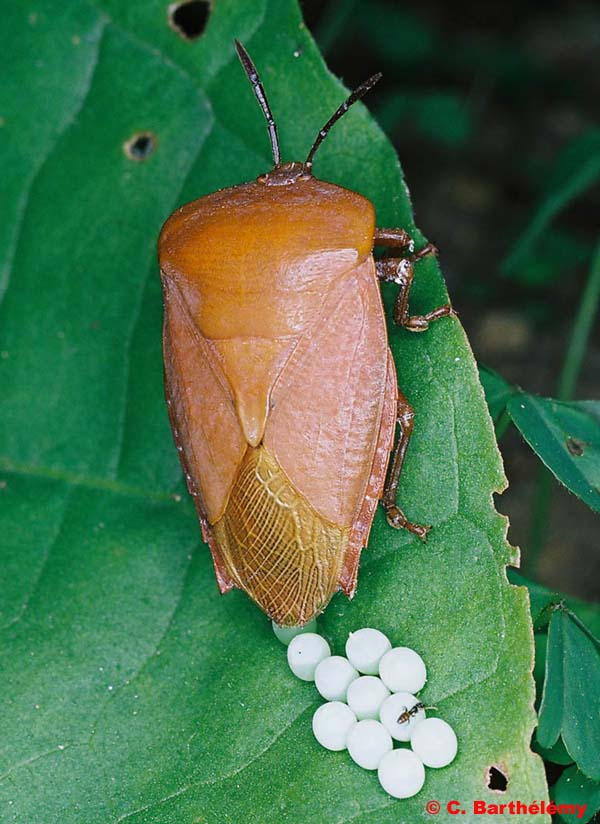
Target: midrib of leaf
<point x="91" y="482"/>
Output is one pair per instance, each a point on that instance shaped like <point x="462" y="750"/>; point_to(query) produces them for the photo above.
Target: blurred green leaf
<point x="574" y="788"/>
<point x="336" y="18"/>
<point x="566" y="437"/>
<point x="576" y="169"/>
<point x="492" y="59"/>
<point x="441" y="117"/>
<point x="556" y="253"/>
<point x="583" y="325"/>
<point x="130" y="690"/>
<point x="569" y="706"/>
<point x="396" y="33"/>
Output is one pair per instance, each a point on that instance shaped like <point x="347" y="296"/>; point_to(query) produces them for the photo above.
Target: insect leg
<point x="400" y="239"/>
<point x="400" y="271"/>
<point x="395" y="516"/>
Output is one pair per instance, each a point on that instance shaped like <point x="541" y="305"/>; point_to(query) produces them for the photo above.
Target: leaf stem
<point x="334" y="20"/>
<point x="567" y="383"/>
<point x="582" y="328"/>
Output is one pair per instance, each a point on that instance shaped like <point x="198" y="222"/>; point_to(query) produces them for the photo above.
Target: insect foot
<point x="417" y="323"/>
<point x="396" y="518"/>
<point x="430" y="249"/>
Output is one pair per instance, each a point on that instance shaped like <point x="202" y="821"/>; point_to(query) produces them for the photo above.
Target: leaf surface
<point x="543" y="599"/>
<point x="575" y="790"/>
<point x="497" y="391"/>
<point x="569" y="706"/>
<point x="131" y="691"/>
<point x="566" y="436"/>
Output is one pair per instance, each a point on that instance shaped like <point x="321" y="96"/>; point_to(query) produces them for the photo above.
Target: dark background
<point x="479" y="100"/>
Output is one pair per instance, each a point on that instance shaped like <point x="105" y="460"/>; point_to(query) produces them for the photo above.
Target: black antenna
<point x="356" y="95"/>
<point x="259" y="91"/>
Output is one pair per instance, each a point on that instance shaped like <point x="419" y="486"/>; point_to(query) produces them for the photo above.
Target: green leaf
<point x="566" y="437"/>
<point x="570" y="700"/>
<point x="556" y="755"/>
<point x="573" y="789"/>
<point x="396" y="33"/>
<point x="130" y="690"/>
<point x="576" y="169"/>
<point x="441" y="117"/>
<point x="542" y="599"/>
<point x="544" y="603"/>
<point x="539" y="666"/>
<point x="497" y="391"/>
<point x="556" y="254"/>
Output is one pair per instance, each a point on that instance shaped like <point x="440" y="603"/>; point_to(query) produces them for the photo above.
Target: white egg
<point x="305" y="652"/>
<point x="331" y="724"/>
<point x="399" y="715"/>
<point x="365" y="648"/>
<point x="401" y="773"/>
<point x="366" y="695"/>
<point x="403" y="669"/>
<point x="367" y="742"/>
<point x="333" y="675"/>
<point x="434" y="741"/>
<point x="285" y="634"/>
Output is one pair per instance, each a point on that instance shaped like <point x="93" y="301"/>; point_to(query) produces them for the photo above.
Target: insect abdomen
<point x="274" y="544"/>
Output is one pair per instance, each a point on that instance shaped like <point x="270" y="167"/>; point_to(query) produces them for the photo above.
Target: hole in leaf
<point x="497" y="780"/>
<point x="189" y="19"/>
<point x="140" y="146"/>
<point x="575" y="447"/>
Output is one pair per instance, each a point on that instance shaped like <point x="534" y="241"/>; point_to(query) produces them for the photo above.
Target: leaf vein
<point x="6" y="272"/>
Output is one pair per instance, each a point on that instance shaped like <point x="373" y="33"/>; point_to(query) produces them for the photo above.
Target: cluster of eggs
<point x="371" y="702"/>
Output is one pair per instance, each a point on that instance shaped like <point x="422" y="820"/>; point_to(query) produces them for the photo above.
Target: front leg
<point x="400" y="271"/>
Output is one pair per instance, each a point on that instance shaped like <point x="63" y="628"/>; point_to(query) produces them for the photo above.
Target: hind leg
<point x="395" y="516"/>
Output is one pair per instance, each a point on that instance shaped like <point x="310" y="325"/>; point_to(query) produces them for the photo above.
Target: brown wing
<point x="328" y="402"/>
<point x="205" y="425"/>
<point x="294" y="506"/>
<point x="364" y="519"/>
<point x="275" y="546"/>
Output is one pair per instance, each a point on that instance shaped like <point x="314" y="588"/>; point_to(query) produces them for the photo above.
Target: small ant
<point x="405" y="716"/>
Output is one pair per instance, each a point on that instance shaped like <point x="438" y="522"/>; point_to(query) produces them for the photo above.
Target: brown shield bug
<point x="280" y="384"/>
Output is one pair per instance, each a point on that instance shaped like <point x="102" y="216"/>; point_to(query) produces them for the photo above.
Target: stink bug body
<point x="280" y="384"/>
